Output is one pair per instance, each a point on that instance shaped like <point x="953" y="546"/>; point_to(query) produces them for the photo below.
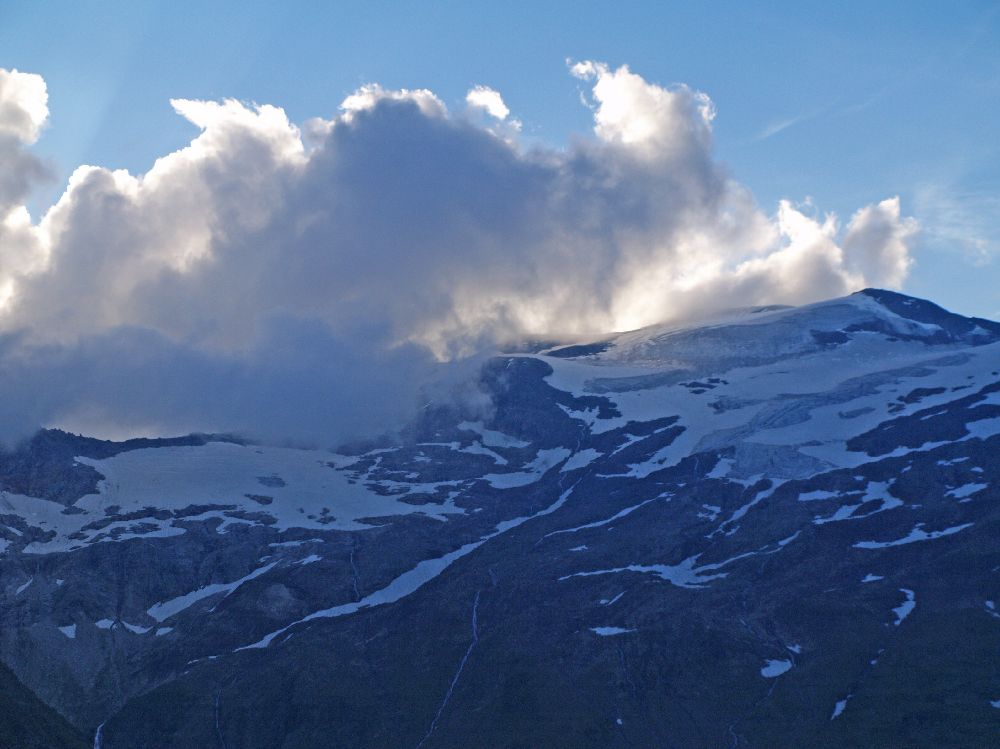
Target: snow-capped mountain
<point x="776" y="527"/>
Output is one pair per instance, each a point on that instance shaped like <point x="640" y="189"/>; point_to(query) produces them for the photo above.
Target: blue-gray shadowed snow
<point x="773" y="527"/>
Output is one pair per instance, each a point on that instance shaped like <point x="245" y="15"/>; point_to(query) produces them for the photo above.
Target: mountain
<point x="28" y="723"/>
<point x="776" y="527"/>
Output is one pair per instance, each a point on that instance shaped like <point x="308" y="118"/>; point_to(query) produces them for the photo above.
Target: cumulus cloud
<point x="24" y="105"/>
<point x="23" y="111"/>
<point x="307" y="282"/>
<point x="485" y="98"/>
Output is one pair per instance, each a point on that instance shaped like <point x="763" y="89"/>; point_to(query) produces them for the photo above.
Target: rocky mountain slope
<point x="28" y="723"/>
<point x="774" y="528"/>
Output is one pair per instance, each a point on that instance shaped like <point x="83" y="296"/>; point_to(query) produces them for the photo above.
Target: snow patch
<point x="607" y="521"/>
<point x="166" y="609"/>
<point x="532" y="472"/>
<point x="683" y="575"/>
<point x="609" y="631"/>
<point x="492" y="438"/>
<point x="775" y="667"/>
<point x="411" y="580"/>
<point x="839" y="707"/>
<point x="904" y="609"/>
<point x="917" y="534"/>
<point x="816" y="495"/>
<point x="581" y="459"/>
<point x="962" y="492"/>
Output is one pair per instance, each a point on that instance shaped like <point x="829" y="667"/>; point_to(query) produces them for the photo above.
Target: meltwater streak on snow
<point x="917" y="534"/>
<point x="166" y="609"/>
<point x="23" y="586"/>
<point x="413" y="579"/>
<point x="904" y="609"/>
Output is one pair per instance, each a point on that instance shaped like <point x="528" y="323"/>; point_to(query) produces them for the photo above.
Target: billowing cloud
<point x="485" y="98"/>
<point x="23" y="111"/>
<point x="24" y="105"/>
<point x="307" y="283"/>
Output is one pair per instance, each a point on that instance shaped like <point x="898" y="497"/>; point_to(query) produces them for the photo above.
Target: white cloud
<point x="877" y="243"/>
<point x="485" y="98"/>
<point x="368" y="96"/>
<point x="24" y="105"/>
<point x="23" y="112"/>
<point x="631" y="111"/>
<point x="302" y="282"/>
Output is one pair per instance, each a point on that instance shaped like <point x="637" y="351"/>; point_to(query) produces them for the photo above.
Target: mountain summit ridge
<point x="776" y="528"/>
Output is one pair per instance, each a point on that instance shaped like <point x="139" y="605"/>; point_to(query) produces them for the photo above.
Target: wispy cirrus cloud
<point x="963" y="221"/>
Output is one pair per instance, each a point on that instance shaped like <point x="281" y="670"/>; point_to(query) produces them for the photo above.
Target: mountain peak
<point x="927" y="312"/>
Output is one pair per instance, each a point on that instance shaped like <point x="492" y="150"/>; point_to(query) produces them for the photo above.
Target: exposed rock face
<point x="777" y="528"/>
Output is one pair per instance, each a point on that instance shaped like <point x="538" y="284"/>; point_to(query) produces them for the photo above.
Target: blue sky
<point x="844" y="103"/>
